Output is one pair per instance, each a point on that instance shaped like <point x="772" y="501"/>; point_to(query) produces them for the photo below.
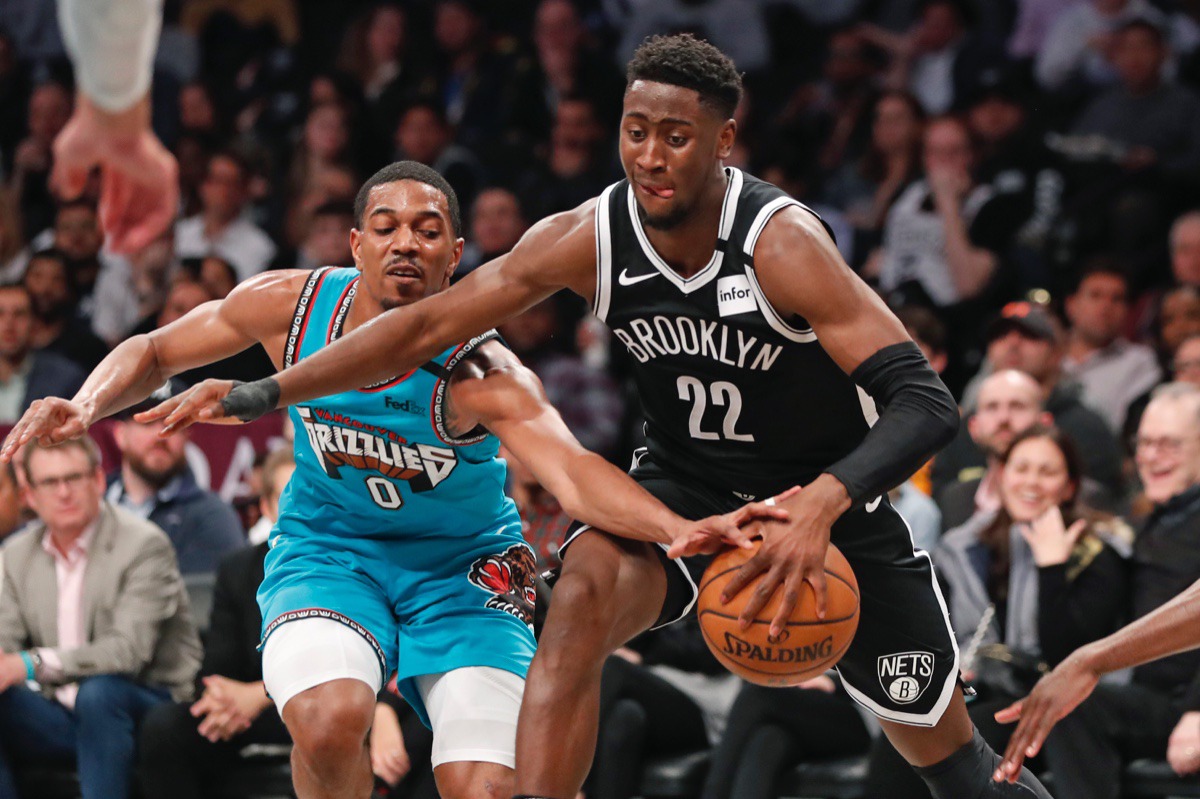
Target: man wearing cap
<point x="156" y="483"/>
<point x="1026" y="337"/>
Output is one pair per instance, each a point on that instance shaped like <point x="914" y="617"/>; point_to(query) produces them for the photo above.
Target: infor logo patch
<point x="734" y="296"/>
<point x="905" y="675"/>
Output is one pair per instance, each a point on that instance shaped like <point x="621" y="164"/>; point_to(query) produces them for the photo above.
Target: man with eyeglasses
<point x="94" y="610"/>
<point x="1159" y="710"/>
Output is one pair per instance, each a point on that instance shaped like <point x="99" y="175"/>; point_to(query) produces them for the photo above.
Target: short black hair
<point x="683" y="60"/>
<point x="1146" y="25"/>
<point x="409" y="170"/>
<point x="1100" y="265"/>
<point x="924" y="326"/>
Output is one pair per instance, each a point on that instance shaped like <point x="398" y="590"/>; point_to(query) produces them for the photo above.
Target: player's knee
<point x="329" y="723"/>
<point x="474" y="780"/>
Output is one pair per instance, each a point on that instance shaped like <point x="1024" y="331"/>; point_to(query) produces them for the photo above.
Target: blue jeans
<point x="98" y="735"/>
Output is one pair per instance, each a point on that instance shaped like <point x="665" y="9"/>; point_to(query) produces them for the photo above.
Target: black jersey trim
<point x="604" y="266"/>
<point x="437" y="407"/>
<point x="300" y="315"/>
<point x="733" y="192"/>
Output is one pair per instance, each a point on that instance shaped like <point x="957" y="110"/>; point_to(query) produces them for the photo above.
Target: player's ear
<point x="725" y="138"/>
<point x="452" y="267"/>
<point x="355" y="246"/>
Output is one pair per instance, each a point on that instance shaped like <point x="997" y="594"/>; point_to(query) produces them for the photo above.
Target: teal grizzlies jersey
<point x="379" y="463"/>
<point x="735" y="394"/>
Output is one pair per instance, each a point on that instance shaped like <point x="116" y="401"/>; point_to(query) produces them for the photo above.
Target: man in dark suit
<point x="25" y="374"/>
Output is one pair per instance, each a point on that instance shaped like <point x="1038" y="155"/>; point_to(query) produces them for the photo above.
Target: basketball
<point x="807" y="647"/>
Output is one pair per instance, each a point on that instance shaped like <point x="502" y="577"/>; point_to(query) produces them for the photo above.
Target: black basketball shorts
<point x="903" y="662"/>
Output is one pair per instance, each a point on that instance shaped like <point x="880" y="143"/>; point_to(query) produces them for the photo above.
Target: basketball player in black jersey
<point x="762" y="363"/>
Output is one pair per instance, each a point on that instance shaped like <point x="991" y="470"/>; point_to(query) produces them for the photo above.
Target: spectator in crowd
<point x="48" y="111"/>
<point x="28" y="374"/>
<point x="738" y="29"/>
<point x="1157" y="713"/>
<point x="185" y="746"/>
<point x="1112" y="370"/>
<point x="326" y="242"/>
<point x="1027" y="583"/>
<point x="121" y="641"/>
<point x="1026" y="337"/>
<point x="57" y="327"/>
<point x="1079" y="45"/>
<point x="324" y="146"/>
<point x="939" y="60"/>
<point x="1185" y="249"/>
<point x="1156" y="119"/>
<point x="1035" y="19"/>
<point x="575" y="167"/>
<point x="216" y="274"/>
<point x="198" y="114"/>
<point x="330" y="184"/>
<point x="425" y="135"/>
<point x="570" y="62"/>
<point x="769" y="731"/>
<point x="866" y="188"/>
<point x="133" y="288"/>
<point x="587" y="398"/>
<point x="544" y="523"/>
<point x="13" y="252"/>
<point x="183" y="294"/>
<point x="222" y="227"/>
<point x="1186" y="366"/>
<point x="156" y="483"/>
<point x="77" y="235"/>
<point x="497" y="222"/>
<point x="940" y="244"/>
<point x="1010" y="402"/>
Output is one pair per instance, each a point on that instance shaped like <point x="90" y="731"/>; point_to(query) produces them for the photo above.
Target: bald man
<point x="1009" y="403"/>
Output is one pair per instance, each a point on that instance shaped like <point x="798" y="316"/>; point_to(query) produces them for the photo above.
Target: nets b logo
<point x="905" y="675"/>
<point x="510" y="577"/>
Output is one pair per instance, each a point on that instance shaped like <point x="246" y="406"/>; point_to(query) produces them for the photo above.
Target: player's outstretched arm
<point x="558" y="252"/>
<point x="801" y="274"/>
<point x="1173" y="628"/>
<point x="140" y="365"/>
<point x="508" y="399"/>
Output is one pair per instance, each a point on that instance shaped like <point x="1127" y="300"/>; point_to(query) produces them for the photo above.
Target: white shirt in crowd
<point x="243" y="244"/>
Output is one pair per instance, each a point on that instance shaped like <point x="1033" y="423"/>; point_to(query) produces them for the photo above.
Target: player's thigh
<point x="903" y="662"/>
<point x="473" y="713"/>
<point x="308" y="652"/>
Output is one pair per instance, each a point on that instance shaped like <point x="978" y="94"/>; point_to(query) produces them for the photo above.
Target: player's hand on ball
<point x="1055" y="696"/>
<point x="792" y="554"/>
<point x="200" y="403"/>
<point x="737" y="528"/>
<point x="49" y="421"/>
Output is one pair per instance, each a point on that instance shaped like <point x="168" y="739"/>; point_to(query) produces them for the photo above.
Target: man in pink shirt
<point x="93" y="610"/>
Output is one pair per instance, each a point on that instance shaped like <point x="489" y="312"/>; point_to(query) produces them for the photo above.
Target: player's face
<point x="406" y="249"/>
<point x="1168" y="448"/>
<point x="671" y="147"/>
<point x="1035" y="479"/>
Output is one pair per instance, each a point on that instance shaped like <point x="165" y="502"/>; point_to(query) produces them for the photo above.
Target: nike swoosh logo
<point x="873" y="504"/>
<point x="625" y="280"/>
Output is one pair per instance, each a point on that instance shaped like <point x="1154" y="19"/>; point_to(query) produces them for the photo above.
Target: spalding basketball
<point x="806" y="647"/>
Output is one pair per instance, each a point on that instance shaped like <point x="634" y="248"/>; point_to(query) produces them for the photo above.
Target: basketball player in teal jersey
<point x="396" y="549"/>
<point x="763" y="363"/>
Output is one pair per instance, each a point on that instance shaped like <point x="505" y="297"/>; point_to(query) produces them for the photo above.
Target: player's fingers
<point x="67" y="179"/>
<point x="816" y="579"/>
<point x="791" y="492"/>
<point x="757" y="511"/>
<point x="115" y="195"/>
<point x="759" y="597"/>
<point x="160" y="410"/>
<point x="750" y="569"/>
<point x="791" y="598"/>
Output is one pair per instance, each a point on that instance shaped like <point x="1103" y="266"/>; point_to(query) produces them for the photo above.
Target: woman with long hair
<point x="1026" y="585"/>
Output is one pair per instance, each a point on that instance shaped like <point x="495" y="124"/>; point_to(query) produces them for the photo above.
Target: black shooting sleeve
<point x="917" y="417"/>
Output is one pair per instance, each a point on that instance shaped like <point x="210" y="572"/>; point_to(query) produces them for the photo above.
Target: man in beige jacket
<point x="93" y="609"/>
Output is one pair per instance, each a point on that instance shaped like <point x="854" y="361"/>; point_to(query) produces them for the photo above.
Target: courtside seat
<point x="842" y="778"/>
<point x="677" y="776"/>
<point x="1149" y="779"/>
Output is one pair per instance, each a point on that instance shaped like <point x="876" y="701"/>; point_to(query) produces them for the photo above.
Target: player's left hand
<point x="737" y="528"/>
<point x="1183" y="747"/>
<point x="200" y="403"/>
<point x="1055" y="696"/>
<point x="792" y="553"/>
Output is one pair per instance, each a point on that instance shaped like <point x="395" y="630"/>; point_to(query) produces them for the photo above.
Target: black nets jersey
<point x="734" y="393"/>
